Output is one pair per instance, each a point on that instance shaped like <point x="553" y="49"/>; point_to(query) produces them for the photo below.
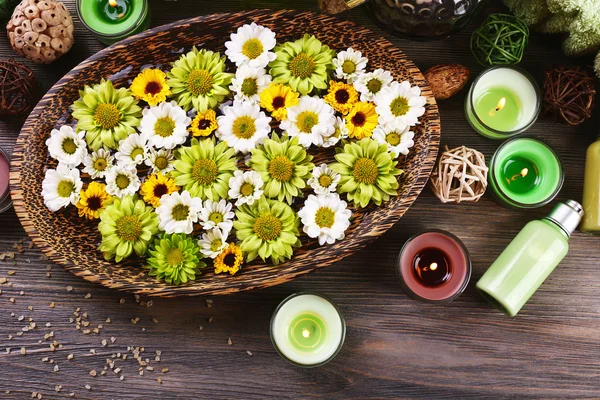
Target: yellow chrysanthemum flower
<point x="229" y="260"/>
<point x="204" y="123"/>
<point x="341" y="96"/>
<point x="277" y="98"/>
<point x="151" y="86"/>
<point x="93" y="200"/>
<point x="362" y="120"/>
<point x="155" y="187"/>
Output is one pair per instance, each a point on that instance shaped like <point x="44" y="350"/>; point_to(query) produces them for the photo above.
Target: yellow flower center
<point x="393" y="138"/>
<point x="138" y="151"/>
<point x="175" y="257"/>
<point x="267" y="227"/>
<point x="325" y="217"/>
<point x="216" y="245"/>
<point x="399" y="106"/>
<point x="199" y="82"/>
<point x="365" y="171"/>
<point x="107" y="115"/>
<point x="302" y="66"/>
<point x="216" y="217"/>
<point x="164" y="127"/>
<point x="325" y="180"/>
<point x="122" y="181"/>
<point x="374" y="85"/>
<point x="180" y="212"/>
<point x="161" y="162"/>
<point x="247" y="189"/>
<point x="348" y="67"/>
<point x="244" y="127"/>
<point x="65" y="188"/>
<point x="100" y="164"/>
<point x="205" y="171"/>
<point x="129" y="228"/>
<point x="249" y="87"/>
<point x="281" y="168"/>
<point x="69" y="146"/>
<point x="252" y="48"/>
<point x="306" y="120"/>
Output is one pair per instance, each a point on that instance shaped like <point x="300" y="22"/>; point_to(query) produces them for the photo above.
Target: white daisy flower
<point x="67" y="146"/>
<point x="213" y="242"/>
<point x="243" y="126"/>
<point x="246" y="187"/>
<point x="177" y="213"/>
<point x="340" y="132"/>
<point x="251" y="45"/>
<point x="249" y="82"/>
<point x="400" y="102"/>
<point x="122" y="181"/>
<point x="61" y="187"/>
<point x="165" y="125"/>
<point x="349" y="64"/>
<point x="98" y="163"/>
<point x="311" y="120"/>
<point x="324" y="180"/>
<point x="326" y="217"/>
<point x="397" y="137"/>
<point x="217" y="215"/>
<point x="370" y="84"/>
<point x="160" y="160"/>
<point x="133" y="150"/>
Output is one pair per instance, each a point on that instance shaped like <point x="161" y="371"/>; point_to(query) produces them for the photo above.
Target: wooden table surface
<point x="396" y="347"/>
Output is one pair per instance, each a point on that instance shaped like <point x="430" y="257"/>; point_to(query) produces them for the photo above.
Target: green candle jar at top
<point x="113" y="20"/>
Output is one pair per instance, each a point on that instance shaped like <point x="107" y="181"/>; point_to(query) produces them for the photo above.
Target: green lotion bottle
<point x="591" y="190"/>
<point x="528" y="260"/>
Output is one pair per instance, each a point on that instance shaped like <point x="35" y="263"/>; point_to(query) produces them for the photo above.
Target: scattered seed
<point x="149" y="304"/>
<point x="88" y="387"/>
<point x="3" y="280"/>
<point x="30" y="308"/>
<point x="21" y="293"/>
<point x="209" y="303"/>
<point x="121" y="377"/>
<point x="11" y="273"/>
<point x="112" y="339"/>
<point x="57" y="388"/>
<point x="23" y="351"/>
<point x="104" y="342"/>
<point x="69" y="288"/>
<point x="229" y="342"/>
<point x="108" y="320"/>
<point x="56" y="369"/>
<point x="70" y="356"/>
<point x="52" y="305"/>
<point x="249" y="352"/>
<point x="48" y="324"/>
<point x="93" y="372"/>
<point x="48" y="275"/>
<point x="93" y="351"/>
<point x="210" y="320"/>
<point x="12" y="299"/>
<point x="88" y="296"/>
<point x="164" y="370"/>
<point x="122" y="301"/>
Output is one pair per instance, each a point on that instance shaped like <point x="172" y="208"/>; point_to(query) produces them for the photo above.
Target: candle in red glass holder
<point x="434" y="266"/>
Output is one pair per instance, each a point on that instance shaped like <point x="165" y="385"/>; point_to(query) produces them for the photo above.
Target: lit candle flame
<point x="305" y="333"/>
<point x="522" y="174"/>
<point x="501" y="104"/>
<point x="433" y="266"/>
<point x="113" y="3"/>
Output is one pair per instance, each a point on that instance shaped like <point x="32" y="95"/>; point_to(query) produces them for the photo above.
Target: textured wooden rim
<point x="377" y="223"/>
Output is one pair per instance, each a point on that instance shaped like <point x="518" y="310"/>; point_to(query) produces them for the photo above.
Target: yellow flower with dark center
<point x="362" y="120"/>
<point x="155" y="187"/>
<point x="204" y="123"/>
<point x="229" y="260"/>
<point x="277" y="98"/>
<point x="93" y="200"/>
<point x="341" y="96"/>
<point x="151" y="86"/>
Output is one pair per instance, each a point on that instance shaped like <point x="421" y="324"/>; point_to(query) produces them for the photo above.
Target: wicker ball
<point x="41" y="30"/>
<point x="569" y="94"/>
<point x="17" y="89"/>
<point x="6" y="9"/>
<point x="500" y="40"/>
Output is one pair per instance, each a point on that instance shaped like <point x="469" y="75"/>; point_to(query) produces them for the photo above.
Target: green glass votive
<point x="525" y="173"/>
<point x="113" y="20"/>
<point x="502" y="102"/>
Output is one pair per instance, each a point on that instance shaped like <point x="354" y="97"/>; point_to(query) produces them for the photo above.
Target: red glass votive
<point x="434" y="266"/>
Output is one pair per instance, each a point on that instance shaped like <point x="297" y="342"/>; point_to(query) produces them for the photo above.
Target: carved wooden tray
<point x="72" y="241"/>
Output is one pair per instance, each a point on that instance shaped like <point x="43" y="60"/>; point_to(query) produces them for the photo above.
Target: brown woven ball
<point x="569" y="94"/>
<point x="17" y="89"/>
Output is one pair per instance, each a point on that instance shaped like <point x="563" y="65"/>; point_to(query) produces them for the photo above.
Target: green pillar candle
<point x="307" y="332"/>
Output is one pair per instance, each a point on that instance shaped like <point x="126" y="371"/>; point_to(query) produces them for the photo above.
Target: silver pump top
<point x="566" y="215"/>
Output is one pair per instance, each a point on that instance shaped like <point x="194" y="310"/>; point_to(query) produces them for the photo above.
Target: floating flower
<point x="368" y="172"/>
<point x="165" y="125"/>
<point x="176" y="259"/>
<point x="283" y="165"/>
<point x="93" y="200"/>
<point x="151" y="86"/>
<point x="132" y="151"/>
<point x="324" y="180"/>
<point x="204" y="169"/>
<point x="198" y="79"/>
<point x="268" y="229"/>
<point x="160" y="160"/>
<point x="216" y="215"/>
<point x="243" y="126"/>
<point x="213" y="242"/>
<point x="127" y="225"/>
<point x="310" y="121"/>
<point x="106" y="114"/>
<point x="340" y="132"/>
<point x="277" y="98"/>
<point x="122" y="181"/>
<point x="400" y="102"/>
<point x="245" y="187"/>
<point x="61" y="187"/>
<point x="341" y="96"/>
<point x="349" y="64"/>
<point x="325" y="217"/>
<point x="249" y="82"/>
<point x="66" y="146"/>
<point x="371" y="83"/>
<point x="251" y="45"/>
<point x="98" y="163"/>
<point x="177" y="213"/>
<point x="156" y="186"/>
<point x="362" y="120"/>
<point x="229" y="260"/>
<point x="204" y="123"/>
<point x="397" y="137"/>
<point x="304" y="64"/>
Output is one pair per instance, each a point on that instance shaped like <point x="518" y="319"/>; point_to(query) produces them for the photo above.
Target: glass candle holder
<point x="525" y="173"/>
<point x="434" y="266"/>
<point x="113" y="20"/>
<point x="5" y="200"/>
<point x="308" y="329"/>
<point x="502" y="102"/>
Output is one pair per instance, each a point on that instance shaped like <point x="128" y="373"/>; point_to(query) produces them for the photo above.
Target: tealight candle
<point x="525" y="173"/>
<point x="502" y="102"/>
<point x="307" y="329"/>
<point x="434" y="266"/>
<point x="113" y="20"/>
<point x="5" y="202"/>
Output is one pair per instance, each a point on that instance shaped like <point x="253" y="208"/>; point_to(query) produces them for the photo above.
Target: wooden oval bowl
<point x="72" y="241"/>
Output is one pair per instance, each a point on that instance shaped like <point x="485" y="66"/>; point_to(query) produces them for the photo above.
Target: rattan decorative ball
<point x="17" y="89"/>
<point x="41" y="30"/>
<point x="6" y="9"/>
<point x="460" y="175"/>
<point x="569" y="94"/>
<point x="500" y="40"/>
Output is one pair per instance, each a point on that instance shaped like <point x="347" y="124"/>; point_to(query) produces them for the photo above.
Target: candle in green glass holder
<point x="498" y="108"/>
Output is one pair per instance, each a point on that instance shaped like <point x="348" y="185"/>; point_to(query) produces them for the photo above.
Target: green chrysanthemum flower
<point x="127" y="225"/>
<point x="106" y="114"/>
<point x="304" y="64"/>
<point x="368" y="172"/>
<point x="175" y="259"/>
<point x="204" y="169"/>
<point x="267" y="228"/>
<point x="283" y="165"/>
<point x="198" y="79"/>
